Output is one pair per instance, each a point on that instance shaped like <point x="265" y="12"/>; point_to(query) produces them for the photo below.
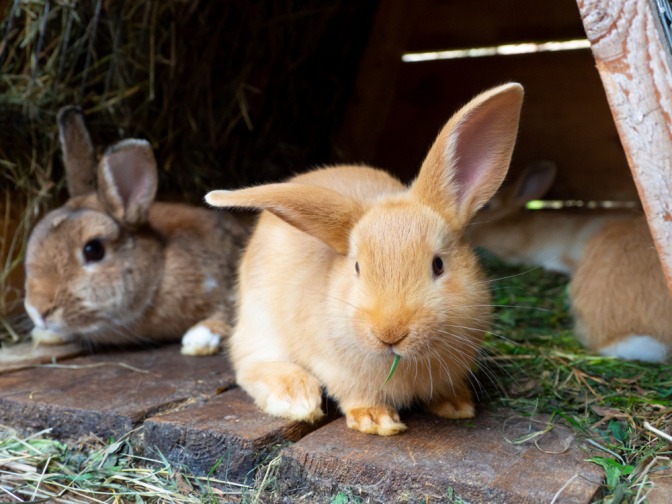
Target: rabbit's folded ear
<point x="79" y="157"/>
<point x="127" y="181"/>
<point x="318" y="211"/>
<point x="469" y="159"/>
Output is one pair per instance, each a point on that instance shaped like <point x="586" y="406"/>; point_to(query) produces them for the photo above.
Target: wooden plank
<point x="565" y="118"/>
<point x="634" y="65"/>
<point x="450" y="24"/>
<point x="374" y="88"/>
<point x="108" y="394"/>
<point x="28" y="354"/>
<point x="438" y="459"/>
<point x="228" y="427"/>
<point x="661" y="479"/>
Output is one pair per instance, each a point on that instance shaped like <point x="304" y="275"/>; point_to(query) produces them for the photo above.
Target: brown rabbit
<point x="553" y="239"/>
<point x="112" y="266"/>
<point x="619" y="297"/>
<point x="348" y="268"/>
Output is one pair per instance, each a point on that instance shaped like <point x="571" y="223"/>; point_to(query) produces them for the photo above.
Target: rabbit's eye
<point x="437" y="266"/>
<point x="357" y="267"/>
<point x="93" y="250"/>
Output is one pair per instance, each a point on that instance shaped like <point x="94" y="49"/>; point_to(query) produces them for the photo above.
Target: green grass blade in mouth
<point x="393" y="368"/>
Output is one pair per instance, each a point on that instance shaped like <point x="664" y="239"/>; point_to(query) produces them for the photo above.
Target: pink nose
<point x="391" y="335"/>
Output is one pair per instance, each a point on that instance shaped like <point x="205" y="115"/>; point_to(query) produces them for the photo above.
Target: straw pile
<point x="228" y="93"/>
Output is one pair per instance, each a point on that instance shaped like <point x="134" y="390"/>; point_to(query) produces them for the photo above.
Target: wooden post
<point x="634" y="63"/>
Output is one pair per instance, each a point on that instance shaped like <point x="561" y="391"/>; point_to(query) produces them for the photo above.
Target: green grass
<point x="539" y="367"/>
<point x="41" y="469"/>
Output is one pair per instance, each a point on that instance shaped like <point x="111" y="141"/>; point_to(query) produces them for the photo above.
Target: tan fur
<point x="553" y="239"/>
<point x="167" y="267"/>
<point x="307" y="317"/>
<point x="619" y="289"/>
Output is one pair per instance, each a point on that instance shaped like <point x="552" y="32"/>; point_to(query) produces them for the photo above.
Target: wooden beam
<point x="634" y="64"/>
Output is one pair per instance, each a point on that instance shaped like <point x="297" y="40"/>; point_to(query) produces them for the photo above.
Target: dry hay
<point x="228" y="93"/>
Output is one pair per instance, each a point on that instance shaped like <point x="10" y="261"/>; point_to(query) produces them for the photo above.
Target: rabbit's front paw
<point x="455" y="408"/>
<point x="379" y="420"/>
<point x="200" y="340"/>
<point x="284" y="389"/>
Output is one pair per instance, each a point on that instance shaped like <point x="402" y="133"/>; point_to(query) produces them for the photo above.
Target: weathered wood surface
<point x="634" y="64"/>
<point x="108" y="394"/>
<point x="228" y="427"/>
<point x="189" y="413"/>
<point x="25" y="355"/>
<point x="661" y="493"/>
<point x="478" y="461"/>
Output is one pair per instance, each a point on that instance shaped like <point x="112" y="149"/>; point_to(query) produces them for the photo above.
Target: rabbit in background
<point x="112" y="266"/>
<point x="552" y="239"/>
<point x="348" y="269"/>
<point x="619" y="297"/>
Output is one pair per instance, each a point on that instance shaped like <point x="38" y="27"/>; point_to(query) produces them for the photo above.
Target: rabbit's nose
<point x="391" y="335"/>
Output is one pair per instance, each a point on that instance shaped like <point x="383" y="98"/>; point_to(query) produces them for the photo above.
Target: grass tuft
<point x="41" y="469"/>
<point x="538" y="367"/>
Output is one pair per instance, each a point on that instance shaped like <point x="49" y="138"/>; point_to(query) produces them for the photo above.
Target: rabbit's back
<point x="619" y="294"/>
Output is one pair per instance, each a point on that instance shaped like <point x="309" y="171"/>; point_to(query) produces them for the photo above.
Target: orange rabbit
<point x="347" y="268"/>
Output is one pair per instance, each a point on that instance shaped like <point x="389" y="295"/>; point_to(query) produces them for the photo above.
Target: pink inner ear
<point x="472" y="156"/>
<point x="479" y="152"/>
<point x="133" y="175"/>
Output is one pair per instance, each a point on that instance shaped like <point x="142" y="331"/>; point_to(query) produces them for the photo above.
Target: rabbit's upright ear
<point x="318" y="211"/>
<point x="470" y="157"/>
<point x="127" y="181"/>
<point x="79" y="157"/>
<point x="535" y="181"/>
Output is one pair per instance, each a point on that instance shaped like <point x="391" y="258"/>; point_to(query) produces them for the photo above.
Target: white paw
<point x="47" y="337"/>
<point x="635" y="347"/>
<point x="200" y="340"/>
<point x="304" y="409"/>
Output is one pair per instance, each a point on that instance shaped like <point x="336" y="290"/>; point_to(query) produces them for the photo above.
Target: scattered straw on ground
<point x="620" y="409"/>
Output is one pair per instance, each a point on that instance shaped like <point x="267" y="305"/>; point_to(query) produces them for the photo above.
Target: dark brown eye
<point x="357" y="267"/>
<point x="93" y="251"/>
<point x="437" y="266"/>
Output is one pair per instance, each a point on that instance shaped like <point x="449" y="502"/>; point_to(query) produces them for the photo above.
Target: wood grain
<point x="229" y="427"/>
<point x="108" y="394"/>
<point x="476" y="460"/>
<point x="28" y="354"/>
<point x="634" y="65"/>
